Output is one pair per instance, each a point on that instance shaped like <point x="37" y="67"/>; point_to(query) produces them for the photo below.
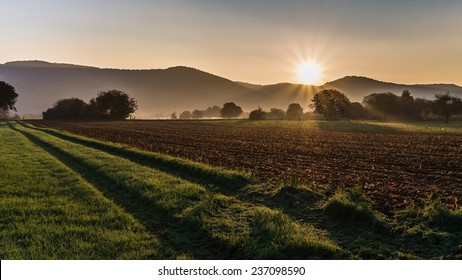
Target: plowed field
<point x="394" y="168"/>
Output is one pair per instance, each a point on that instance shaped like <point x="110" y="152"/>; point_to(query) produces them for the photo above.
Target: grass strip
<point x="47" y="211"/>
<point x="194" y="222"/>
<point x="189" y="170"/>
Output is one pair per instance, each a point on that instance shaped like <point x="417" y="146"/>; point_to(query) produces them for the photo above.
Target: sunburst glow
<point x="309" y="73"/>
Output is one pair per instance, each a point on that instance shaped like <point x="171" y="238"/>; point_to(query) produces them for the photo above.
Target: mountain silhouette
<point x="41" y="84"/>
<point x="162" y="91"/>
<point x="356" y="88"/>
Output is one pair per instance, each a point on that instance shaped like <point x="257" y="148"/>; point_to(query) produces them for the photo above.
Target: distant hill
<point x="278" y="96"/>
<point x="250" y="86"/>
<point x="162" y="91"/>
<point x="357" y="87"/>
<point x="44" y="64"/>
<point x="41" y="84"/>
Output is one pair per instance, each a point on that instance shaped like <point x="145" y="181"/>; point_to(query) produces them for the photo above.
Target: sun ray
<point x="309" y="72"/>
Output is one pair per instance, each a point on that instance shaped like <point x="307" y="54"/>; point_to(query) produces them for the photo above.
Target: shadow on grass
<point x="185" y="169"/>
<point x="177" y="240"/>
<point x="214" y="179"/>
<point x="298" y="202"/>
<point x="203" y="225"/>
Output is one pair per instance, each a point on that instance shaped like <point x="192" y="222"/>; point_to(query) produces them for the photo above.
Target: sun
<point x="309" y="73"/>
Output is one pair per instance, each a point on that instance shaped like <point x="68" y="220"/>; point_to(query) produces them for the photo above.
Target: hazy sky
<point x="257" y="41"/>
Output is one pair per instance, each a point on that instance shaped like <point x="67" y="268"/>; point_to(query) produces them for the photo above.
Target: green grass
<point x="429" y="232"/>
<point x="47" y="211"/>
<point x="275" y="236"/>
<point x="423" y="127"/>
<point x="182" y="167"/>
<point x="189" y="219"/>
<point x="431" y="229"/>
<point x="352" y="207"/>
<point x="70" y="197"/>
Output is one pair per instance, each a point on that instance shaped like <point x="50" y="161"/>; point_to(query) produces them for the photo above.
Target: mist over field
<point x="164" y="91"/>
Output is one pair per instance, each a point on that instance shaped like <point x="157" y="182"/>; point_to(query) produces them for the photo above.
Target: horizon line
<point x="198" y="69"/>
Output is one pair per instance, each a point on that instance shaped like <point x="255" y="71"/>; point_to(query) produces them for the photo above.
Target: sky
<point x="258" y="41"/>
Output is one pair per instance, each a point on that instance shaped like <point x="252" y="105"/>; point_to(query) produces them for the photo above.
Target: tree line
<point x="230" y="110"/>
<point x="210" y="112"/>
<point x="109" y="105"/>
<point x="332" y="104"/>
<point x="293" y="112"/>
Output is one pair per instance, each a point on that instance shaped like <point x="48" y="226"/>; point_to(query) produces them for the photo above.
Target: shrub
<point x="276" y="114"/>
<point x="351" y="206"/>
<point x="295" y="112"/>
<point x="258" y="114"/>
<point x="274" y="236"/>
<point x="437" y="214"/>
<point x="197" y="114"/>
<point x="71" y="108"/>
<point x="186" y="115"/>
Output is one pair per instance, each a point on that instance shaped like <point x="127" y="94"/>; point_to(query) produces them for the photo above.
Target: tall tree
<point x="8" y="97"/>
<point x="356" y="111"/>
<point x="230" y="110"/>
<point x="114" y="104"/>
<point x="386" y="103"/>
<point x="446" y="105"/>
<point x="424" y="107"/>
<point x="330" y="103"/>
<point x="407" y="106"/>
<point x="294" y="112"/>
